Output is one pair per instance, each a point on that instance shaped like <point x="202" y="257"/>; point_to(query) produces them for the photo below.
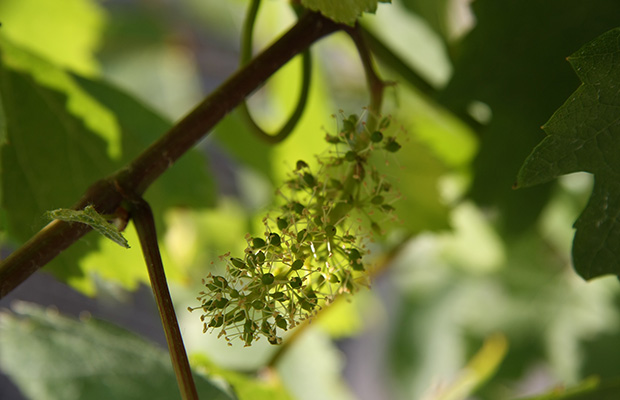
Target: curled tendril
<point x="313" y="247"/>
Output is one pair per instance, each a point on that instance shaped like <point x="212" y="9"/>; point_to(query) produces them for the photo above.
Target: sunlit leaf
<point x="345" y="11"/>
<point x="66" y="33"/>
<point x="50" y="158"/>
<point x="97" y="118"/>
<point x="50" y="356"/>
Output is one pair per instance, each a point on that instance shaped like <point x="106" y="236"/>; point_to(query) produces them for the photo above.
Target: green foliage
<point x="55" y="357"/>
<point x="67" y="36"/>
<point x="435" y="12"/>
<point x="450" y="274"/>
<point x="346" y="11"/>
<point x="583" y="136"/>
<point x="92" y="218"/>
<point x="313" y="248"/>
<point x="48" y="116"/>
<point x="498" y="65"/>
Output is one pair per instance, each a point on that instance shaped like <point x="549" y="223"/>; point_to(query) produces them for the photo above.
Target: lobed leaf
<point x="584" y="135"/>
<point x="513" y="61"/>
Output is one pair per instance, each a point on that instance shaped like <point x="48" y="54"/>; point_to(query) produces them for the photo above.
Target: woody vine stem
<point x="120" y="194"/>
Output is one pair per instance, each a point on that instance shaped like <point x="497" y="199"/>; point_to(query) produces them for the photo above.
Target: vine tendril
<point x="246" y="56"/>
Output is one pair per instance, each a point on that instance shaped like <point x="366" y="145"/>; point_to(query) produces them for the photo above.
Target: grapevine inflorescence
<point x="314" y="248"/>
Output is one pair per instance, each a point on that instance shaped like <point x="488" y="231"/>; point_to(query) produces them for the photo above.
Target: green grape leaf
<point x="50" y="356"/>
<point x="97" y="118"/>
<point x="584" y="135"/>
<point x="513" y="61"/>
<point x="436" y="13"/>
<point x="187" y="183"/>
<point x="50" y="156"/>
<point x="344" y="11"/>
<point x="91" y="217"/>
<point x="48" y="159"/>
<point x="67" y="33"/>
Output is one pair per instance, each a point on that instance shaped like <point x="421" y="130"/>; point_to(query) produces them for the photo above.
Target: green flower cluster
<point x="313" y="249"/>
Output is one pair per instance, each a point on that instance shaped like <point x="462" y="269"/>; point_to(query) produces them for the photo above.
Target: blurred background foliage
<point x="479" y="301"/>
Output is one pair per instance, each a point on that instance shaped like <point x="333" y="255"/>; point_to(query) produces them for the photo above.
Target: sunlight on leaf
<point x="344" y="11"/>
<point x="53" y="357"/>
<point x="98" y="118"/>
<point x="66" y="33"/>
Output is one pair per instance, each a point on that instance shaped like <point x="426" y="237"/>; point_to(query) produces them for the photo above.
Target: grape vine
<point x="314" y="246"/>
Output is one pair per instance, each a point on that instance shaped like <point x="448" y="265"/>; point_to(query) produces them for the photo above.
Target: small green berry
<point x="258" y="243"/>
<point x="350" y="156"/>
<point x="274" y="239"/>
<point x="218" y="283"/>
<point x="377" y="200"/>
<point x="392" y="145"/>
<point x="240" y="316"/>
<point x="302" y="235"/>
<point x="267" y="279"/>
<point x="208" y="306"/>
<point x="354" y="254"/>
<point x="238" y="263"/>
<point x="301" y="164"/>
<point x="309" y="179"/>
<point x="348" y="126"/>
<point x="387" y="208"/>
<point x="309" y="302"/>
<point x="298" y="207"/>
<point x="258" y="305"/>
<point x="330" y="231"/>
<point x="266" y="328"/>
<point x="295" y="282"/>
<point x="216" y="321"/>
<point x="221" y="303"/>
<point x="376" y="137"/>
<point x="297" y="264"/>
<point x="282" y="223"/>
<point x="332" y="139"/>
<point x="281" y="322"/>
<point x="279" y="296"/>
